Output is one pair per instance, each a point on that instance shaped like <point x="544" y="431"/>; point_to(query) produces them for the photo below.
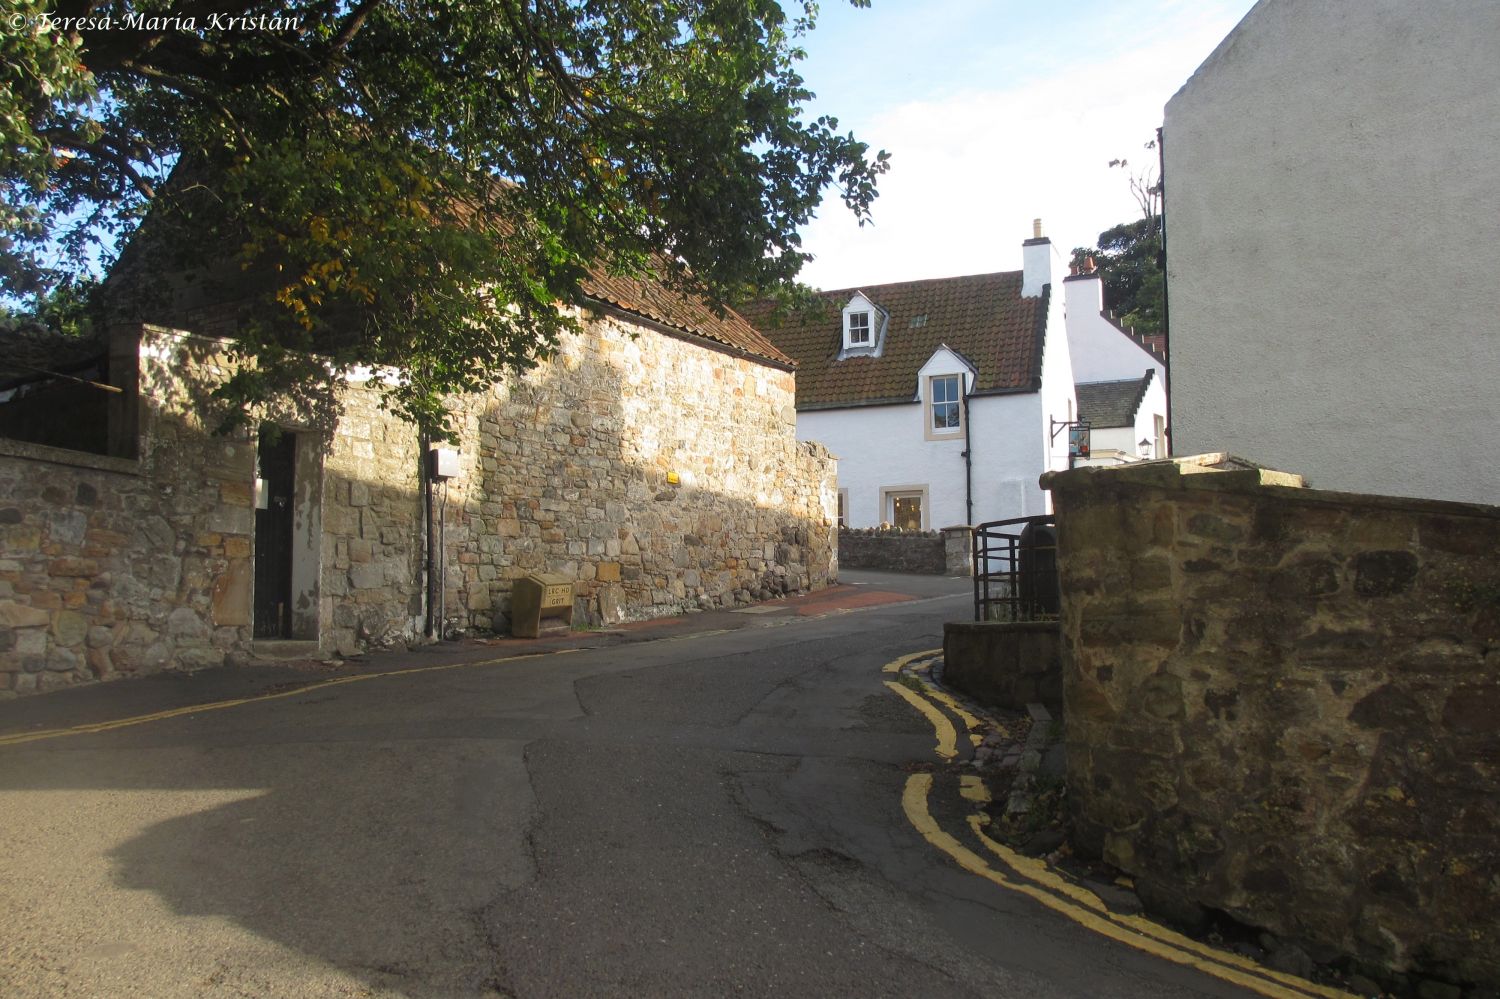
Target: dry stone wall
<point x="1282" y="704"/>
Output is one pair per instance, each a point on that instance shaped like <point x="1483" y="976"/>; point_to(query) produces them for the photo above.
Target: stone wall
<point x="949" y="552"/>
<point x="1005" y="664"/>
<point x="1281" y="703"/>
<point x="112" y="566"/>
<point x="373" y="565"/>
<point x="893" y="551"/>
<point x="661" y="475"/>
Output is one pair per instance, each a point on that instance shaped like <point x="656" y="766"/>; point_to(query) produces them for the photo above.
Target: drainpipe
<point x="968" y="466"/>
<point x="1166" y="297"/>
<point x="433" y="593"/>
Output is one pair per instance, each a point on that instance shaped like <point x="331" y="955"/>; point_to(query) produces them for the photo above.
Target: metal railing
<point x="1015" y="570"/>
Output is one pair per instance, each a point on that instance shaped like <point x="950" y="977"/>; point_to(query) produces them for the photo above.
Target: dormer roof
<point x="981" y="317"/>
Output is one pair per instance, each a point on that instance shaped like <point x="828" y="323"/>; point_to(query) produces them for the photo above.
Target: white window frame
<point x="841" y="515"/>
<point x="871" y="319"/>
<point x="931" y="432"/>
<point x="855" y="327"/>
<point x="889" y="495"/>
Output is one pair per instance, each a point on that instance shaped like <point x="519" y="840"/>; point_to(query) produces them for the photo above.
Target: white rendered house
<point x="1330" y="200"/>
<point x="939" y="397"/>
<point x="1120" y="382"/>
<point x="1127" y="419"/>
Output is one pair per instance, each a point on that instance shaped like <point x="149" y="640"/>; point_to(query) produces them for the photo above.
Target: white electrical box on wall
<point x="442" y="463"/>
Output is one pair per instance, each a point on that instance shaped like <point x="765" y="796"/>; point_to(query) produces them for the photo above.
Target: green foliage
<point x="1129" y="260"/>
<point x="418" y="184"/>
<point x="68" y="309"/>
<point x="1129" y="255"/>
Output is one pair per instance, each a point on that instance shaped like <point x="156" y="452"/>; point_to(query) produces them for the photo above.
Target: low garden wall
<point x="1282" y="704"/>
<point x="1005" y="664"/>
<point x="934" y="553"/>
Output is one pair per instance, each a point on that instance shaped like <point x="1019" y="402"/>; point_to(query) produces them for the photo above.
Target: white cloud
<point x="969" y="172"/>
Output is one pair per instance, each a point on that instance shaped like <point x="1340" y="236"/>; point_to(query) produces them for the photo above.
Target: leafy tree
<point x="414" y="183"/>
<point x="69" y="308"/>
<point x="1129" y="256"/>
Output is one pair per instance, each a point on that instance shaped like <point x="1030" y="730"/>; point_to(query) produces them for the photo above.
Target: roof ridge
<point x="853" y="288"/>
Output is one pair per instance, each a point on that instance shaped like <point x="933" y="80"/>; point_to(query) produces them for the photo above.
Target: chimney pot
<point x="1036" y="228"/>
<point x="1088" y="265"/>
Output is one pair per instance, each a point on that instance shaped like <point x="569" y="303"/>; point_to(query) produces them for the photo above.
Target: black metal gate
<point x="1015" y="570"/>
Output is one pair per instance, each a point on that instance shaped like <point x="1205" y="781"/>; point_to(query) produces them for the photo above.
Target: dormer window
<point x="864" y="327"/>
<point x="859" y="329"/>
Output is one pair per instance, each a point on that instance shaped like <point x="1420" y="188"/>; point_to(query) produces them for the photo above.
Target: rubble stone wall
<point x="921" y="552"/>
<point x="659" y="475"/>
<point x="111" y="566"/>
<point x="1282" y="703"/>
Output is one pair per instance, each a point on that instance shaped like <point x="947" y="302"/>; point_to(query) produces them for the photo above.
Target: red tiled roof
<point x="660" y="304"/>
<point x="981" y="316"/>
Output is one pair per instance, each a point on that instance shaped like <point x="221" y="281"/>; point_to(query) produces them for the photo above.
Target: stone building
<point x="653" y="461"/>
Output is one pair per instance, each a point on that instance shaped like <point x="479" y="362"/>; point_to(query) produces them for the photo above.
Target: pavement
<point x="128" y="697"/>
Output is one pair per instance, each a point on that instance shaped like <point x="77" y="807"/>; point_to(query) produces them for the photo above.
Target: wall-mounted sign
<point x="1078" y="440"/>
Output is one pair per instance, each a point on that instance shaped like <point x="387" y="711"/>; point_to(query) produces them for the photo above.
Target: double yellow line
<point x="1034" y="879"/>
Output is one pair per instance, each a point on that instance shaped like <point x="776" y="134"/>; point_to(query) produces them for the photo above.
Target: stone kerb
<point x="1281" y="703"/>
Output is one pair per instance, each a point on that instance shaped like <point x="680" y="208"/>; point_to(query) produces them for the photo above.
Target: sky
<point x="995" y="112"/>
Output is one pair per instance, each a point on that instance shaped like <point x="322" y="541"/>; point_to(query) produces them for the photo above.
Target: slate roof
<point x="1112" y="404"/>
<point x="651" y="300"/>
<point x="980" y="316"/>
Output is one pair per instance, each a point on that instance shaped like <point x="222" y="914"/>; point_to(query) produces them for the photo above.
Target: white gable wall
<point x="1058" y="400"/>
<point x="1100" y="351"/>
<point x="1330" y="205"/>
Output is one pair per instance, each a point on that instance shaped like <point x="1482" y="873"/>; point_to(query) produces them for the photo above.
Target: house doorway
<point x="288" y="534"/>
<point x="276" y="462"/>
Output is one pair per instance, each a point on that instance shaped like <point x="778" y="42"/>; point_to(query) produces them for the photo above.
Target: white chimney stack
<point x="1084" y="291"/>
<point x="1036" y="262"/>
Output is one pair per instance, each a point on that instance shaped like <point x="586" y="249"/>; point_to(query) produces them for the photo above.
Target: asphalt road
<point x="708" y="815"/>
